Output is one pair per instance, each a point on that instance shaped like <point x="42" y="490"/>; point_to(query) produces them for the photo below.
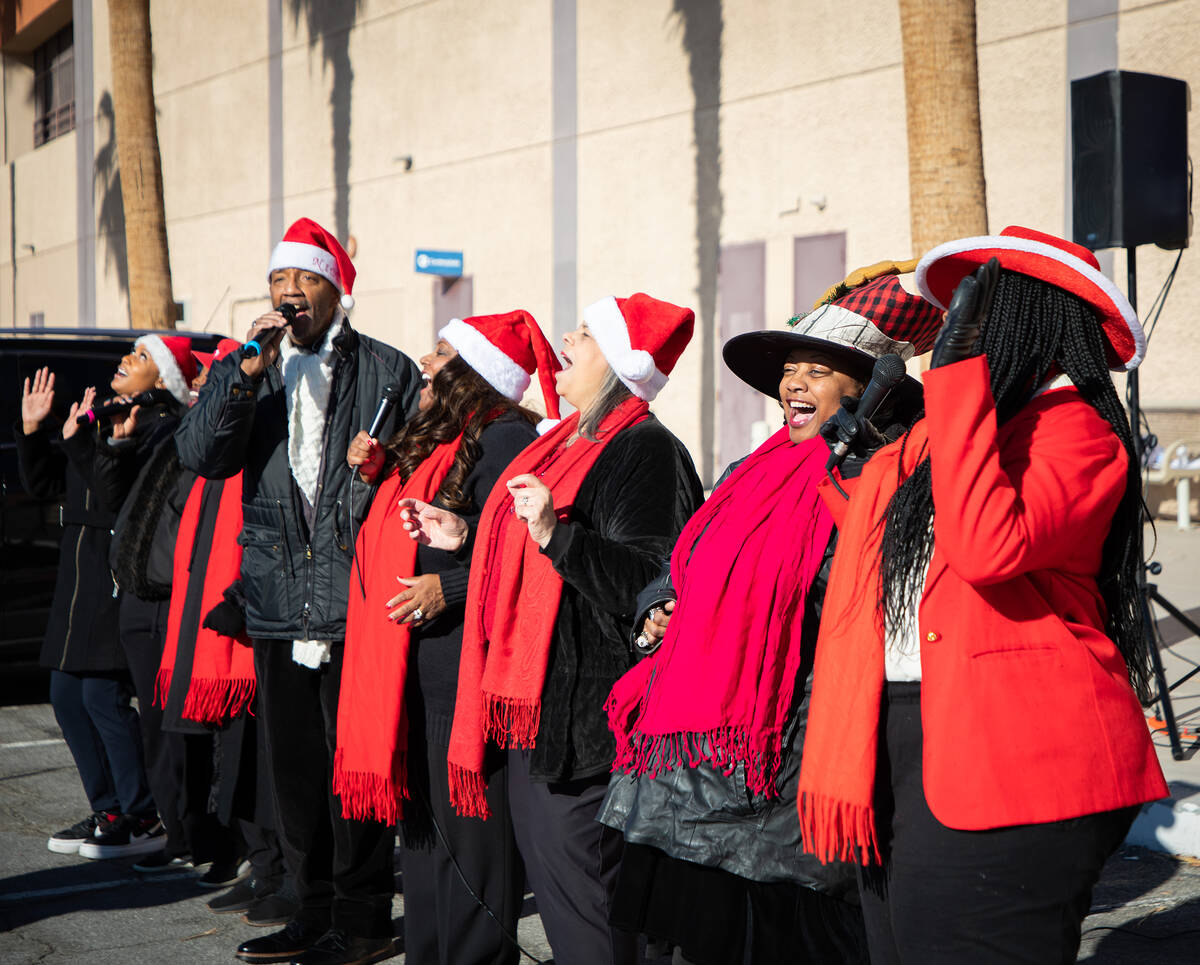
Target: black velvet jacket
<point x="625" y="519"/>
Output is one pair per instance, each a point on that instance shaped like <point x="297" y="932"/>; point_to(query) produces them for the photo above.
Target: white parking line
<point x="17" y="745"/>
<point x="93" y="886"/>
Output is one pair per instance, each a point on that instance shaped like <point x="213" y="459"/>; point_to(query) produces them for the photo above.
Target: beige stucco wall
<point x="811" y="106"/>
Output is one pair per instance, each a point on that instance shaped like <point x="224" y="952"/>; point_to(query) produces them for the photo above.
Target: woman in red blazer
<point x="975" y="740"/>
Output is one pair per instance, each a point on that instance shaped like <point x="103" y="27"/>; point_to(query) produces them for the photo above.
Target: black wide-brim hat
<point x="875" y="319"/>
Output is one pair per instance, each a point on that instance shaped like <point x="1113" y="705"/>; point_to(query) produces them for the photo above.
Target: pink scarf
<point x="720" y="686"/>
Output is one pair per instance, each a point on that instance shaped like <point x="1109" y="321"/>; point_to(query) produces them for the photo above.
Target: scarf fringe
<point x="511" y="721"/>
<point x="723" y="747"/>
<point x="371" y="797"/>
<point x="835" y="830"/>
<point x="468" y="792"/>
<point x="162" y="686"/>
<point x="216" y="699"/>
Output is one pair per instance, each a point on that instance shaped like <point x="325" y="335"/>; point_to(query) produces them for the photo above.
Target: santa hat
<point x="641" y="338"/>
<point x="309" y="246"/>
<point x="172" y="354"/>
<point x="1048" y="258"/>
<point x="506" y="350"/>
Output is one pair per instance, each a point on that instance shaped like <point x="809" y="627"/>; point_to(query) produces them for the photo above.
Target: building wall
<point x="696" y="123"/>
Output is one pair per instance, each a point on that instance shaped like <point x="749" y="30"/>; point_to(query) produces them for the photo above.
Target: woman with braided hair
<point x="975" y="741"/>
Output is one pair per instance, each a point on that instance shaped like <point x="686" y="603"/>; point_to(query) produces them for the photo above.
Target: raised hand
<point x="37" y="398"/>
<point x="847" y="426"/>
<point x="70" y="427"/>
<point x="366" y="454"/>
<point x="124" y="426"/>
<point x="960" y="335"/>
<point x="533" y="505"/>
<point x="439" y="528"/>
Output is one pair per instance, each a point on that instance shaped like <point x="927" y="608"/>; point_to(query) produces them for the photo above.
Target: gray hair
<point x="612" y="393"/>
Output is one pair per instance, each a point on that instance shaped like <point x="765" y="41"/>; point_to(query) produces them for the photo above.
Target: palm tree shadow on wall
<point x="703" y="25"/>
<point x="329" y="23"/>
<point x="106" y="183"/>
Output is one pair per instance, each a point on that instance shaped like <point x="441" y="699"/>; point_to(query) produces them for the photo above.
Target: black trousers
<point x="342" y="868"/>
<point x="101" y="729"/>
<point x="572" y="862"/>
<point x="443" y="923"/>
<point x="1016" y="894"/>
<point x="143" y="633"/>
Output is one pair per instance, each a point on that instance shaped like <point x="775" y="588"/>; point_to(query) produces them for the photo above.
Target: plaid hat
<point x="877" y="318"/>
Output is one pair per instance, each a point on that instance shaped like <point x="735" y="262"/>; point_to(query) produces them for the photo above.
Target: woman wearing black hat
<point x="710" y="727"/>
<point x="975" y="741"/>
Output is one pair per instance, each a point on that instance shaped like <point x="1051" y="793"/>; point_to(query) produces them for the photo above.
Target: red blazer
<point x="1026" y="706"/>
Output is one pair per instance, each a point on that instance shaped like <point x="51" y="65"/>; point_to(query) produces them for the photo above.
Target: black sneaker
<point x="222" y="874"/>
<point x="159" y="861"/>
<point x="68" y="840"/>
<point x="276" y="908"/>
<point x="123" y="835"/>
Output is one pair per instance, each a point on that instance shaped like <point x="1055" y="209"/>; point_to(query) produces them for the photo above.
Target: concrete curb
<point x="1168" y="825"/>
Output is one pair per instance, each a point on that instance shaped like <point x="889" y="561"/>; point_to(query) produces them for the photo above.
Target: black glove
<point x="959" y="337"/>
<point x="228" y="617"/>
<point x="857" y="432"/>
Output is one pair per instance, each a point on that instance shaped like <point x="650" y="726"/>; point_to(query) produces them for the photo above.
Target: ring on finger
<point x="417" y="615"/>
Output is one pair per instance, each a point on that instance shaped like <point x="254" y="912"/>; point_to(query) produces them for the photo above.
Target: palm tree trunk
<point x="947" y="193"/>
<point x="151" y="304"/>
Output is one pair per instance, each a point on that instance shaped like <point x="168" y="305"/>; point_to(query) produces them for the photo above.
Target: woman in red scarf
<point x="404" y="634"/>
<point x="563" y="549"/>
<point x="974" y="740"/>
<point x="711" y="726"/>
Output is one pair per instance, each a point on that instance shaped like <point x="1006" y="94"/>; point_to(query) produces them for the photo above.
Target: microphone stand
<point x="1146" y="590"/>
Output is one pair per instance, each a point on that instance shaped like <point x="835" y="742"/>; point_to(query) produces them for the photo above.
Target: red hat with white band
<point x="641" y="338"/>
<point x="1048" y="258"/>
<point x="172" y="356"/>
<point x="506" y="350"/>
<point x="309" y="246"/>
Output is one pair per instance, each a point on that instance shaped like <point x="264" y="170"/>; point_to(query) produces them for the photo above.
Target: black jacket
<point x="81" y="634"/>
<point x="625" y="519"/>
<point x="295" y="579"/>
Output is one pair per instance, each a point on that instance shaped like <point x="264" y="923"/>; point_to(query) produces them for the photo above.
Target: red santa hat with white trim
<point x="506" y="350"/>
<point x="172" y="355"/>
<point x="641" y="337"/>
<point x="309" y="246"/>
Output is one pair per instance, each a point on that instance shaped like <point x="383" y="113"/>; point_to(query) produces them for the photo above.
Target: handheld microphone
<point x="885" y="376"/>
<point x="391" y="395"/>
<point x="122" y="406"/>
<point x="253" y="348"/>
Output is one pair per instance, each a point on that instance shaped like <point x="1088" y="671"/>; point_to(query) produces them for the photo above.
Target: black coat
<point x="81" y="634"/>
<point x="625" y="519"/>
<point x="296" y="579"/>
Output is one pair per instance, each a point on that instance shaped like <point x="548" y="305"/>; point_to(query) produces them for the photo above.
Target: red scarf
<point x="222" y="683"/>
<point x="370" y="767"/>
<point x="837" y="773"/>
<point x="512" y="605"/>
<point x="720" y="686"/>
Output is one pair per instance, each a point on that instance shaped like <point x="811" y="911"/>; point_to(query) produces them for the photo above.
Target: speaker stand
<point x="1149" y="591"/>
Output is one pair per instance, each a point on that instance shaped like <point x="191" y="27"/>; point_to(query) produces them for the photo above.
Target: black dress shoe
<point x="276" y="908"/>
<point x="335" y="947"/>
<point x="281" y="946"/>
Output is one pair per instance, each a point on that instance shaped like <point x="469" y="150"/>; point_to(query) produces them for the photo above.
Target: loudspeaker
<point x="1129" y="160"/>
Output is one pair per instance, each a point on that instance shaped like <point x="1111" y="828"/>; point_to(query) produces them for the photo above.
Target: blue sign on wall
<point x="439" y="262"/>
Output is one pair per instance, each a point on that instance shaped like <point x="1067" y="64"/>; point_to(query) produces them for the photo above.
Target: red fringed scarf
<point x="512" y="604"/>
<point x="222" y="683"/>
<point x="837" y="773"/>
<point x="720" y="686"/>
<point x="370" y="766"/>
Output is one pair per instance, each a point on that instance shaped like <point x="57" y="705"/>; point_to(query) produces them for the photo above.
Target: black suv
<point x="30" y="530"/>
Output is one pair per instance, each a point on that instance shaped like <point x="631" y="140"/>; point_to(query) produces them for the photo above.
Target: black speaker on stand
<point x="1130" y="187"/>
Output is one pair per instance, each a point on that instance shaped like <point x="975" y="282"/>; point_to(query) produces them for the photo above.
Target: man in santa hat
<point x="284" y="415"/>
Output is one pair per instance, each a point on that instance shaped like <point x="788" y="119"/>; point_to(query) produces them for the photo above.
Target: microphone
<point x="391" y="395"/>
<point x="122" y="406"/>
<point x="253" y="348"/>
<point x="885" y="376"/>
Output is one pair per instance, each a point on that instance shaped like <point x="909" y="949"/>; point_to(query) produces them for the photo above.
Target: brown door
<point x="741" y="281"/>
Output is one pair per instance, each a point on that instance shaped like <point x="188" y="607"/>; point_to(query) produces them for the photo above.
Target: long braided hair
<point x="1033" y="331"/>
<point x="457" y="391"/>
